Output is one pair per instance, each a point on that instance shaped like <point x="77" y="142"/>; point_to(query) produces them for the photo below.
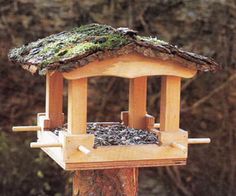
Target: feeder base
<point x="107" y="157"/>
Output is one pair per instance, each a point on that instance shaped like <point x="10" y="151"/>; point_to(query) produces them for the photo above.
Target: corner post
<point x="170" y="103"/>
<point x="77" y="106"/>
<point x="54" y="100"/>
<point x="170" y="113"/>
<point x="137" y="102"/>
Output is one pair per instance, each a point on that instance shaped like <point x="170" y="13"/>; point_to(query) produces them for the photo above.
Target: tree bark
<point x="109" y="182"/>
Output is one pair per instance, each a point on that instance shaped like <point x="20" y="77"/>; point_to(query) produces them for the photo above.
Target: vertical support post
<point x="54" y="99"/>
<point x="77" y="106"/>
<point x="137" y="102"/>
<point x="170" y="103"/>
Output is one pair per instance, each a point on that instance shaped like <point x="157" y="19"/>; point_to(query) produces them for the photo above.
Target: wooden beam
<point x="170" y="103"/>
<point x="137" y="102"/>
<point x="54" y="99"/>
<point x="77" y="106"/>
<point x="131" y="66"/>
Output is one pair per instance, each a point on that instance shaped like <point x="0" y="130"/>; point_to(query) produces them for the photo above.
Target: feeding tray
<point x="100" y="50"/>
<point x="100" y="152"/>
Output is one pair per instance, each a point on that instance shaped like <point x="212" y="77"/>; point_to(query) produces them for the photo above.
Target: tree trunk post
<point x="107" y="182"/>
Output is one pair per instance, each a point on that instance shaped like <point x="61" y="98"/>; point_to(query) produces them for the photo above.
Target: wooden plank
<point x="123" y="164"/>
<point x="54" y="99"/>
<point x="167" y="137"/>
<point x="131" y="66"/>
<point x="137" y="102"/>
<point x="77" y="106"/>
<point x="72" y="142"/>
<point x="126" y="153"/>
<point x="170" y="103"/>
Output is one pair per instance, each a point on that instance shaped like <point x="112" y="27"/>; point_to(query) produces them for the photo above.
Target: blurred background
<point x="208" y="102"/>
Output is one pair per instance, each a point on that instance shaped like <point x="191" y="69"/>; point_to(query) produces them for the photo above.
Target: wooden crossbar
<point x="199" y="140"/>
<point x="26" y="128"/>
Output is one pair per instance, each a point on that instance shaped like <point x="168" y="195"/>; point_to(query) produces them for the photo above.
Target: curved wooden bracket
<point x="131" y="66"/>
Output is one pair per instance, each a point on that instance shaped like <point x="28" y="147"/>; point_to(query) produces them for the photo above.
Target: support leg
<point x="170" y="112"/>
<point x="54" y="100"/>
<point x="170" y="103"/>
<point x="137" y="102"/>
<point x="77" y="106"/>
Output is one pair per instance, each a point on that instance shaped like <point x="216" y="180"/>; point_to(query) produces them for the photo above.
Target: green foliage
<point x="21" y="166"/>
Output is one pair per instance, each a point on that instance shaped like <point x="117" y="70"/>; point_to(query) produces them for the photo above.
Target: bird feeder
<point x="100" y="50"/>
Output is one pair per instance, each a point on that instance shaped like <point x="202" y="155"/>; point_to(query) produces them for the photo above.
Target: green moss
<point x="113" y="41"/>
<point x="75" y="50"/>
<point x="79" y="42"/>
<point x="72" y="47"/>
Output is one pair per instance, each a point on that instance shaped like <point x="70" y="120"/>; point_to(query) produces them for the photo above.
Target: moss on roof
<point x="70" y="49"/>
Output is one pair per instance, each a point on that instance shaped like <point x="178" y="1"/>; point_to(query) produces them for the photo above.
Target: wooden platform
<point x="105" y="157"/>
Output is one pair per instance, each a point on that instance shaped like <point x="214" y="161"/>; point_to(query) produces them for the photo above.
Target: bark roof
<point x="68" y="50"/>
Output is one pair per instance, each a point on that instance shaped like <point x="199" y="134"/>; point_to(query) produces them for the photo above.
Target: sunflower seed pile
<point x="120" y="134"/>
<point x="117" y="134"/>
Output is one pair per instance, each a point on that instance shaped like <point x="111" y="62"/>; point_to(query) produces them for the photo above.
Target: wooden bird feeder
<point x="100" y="50"/>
